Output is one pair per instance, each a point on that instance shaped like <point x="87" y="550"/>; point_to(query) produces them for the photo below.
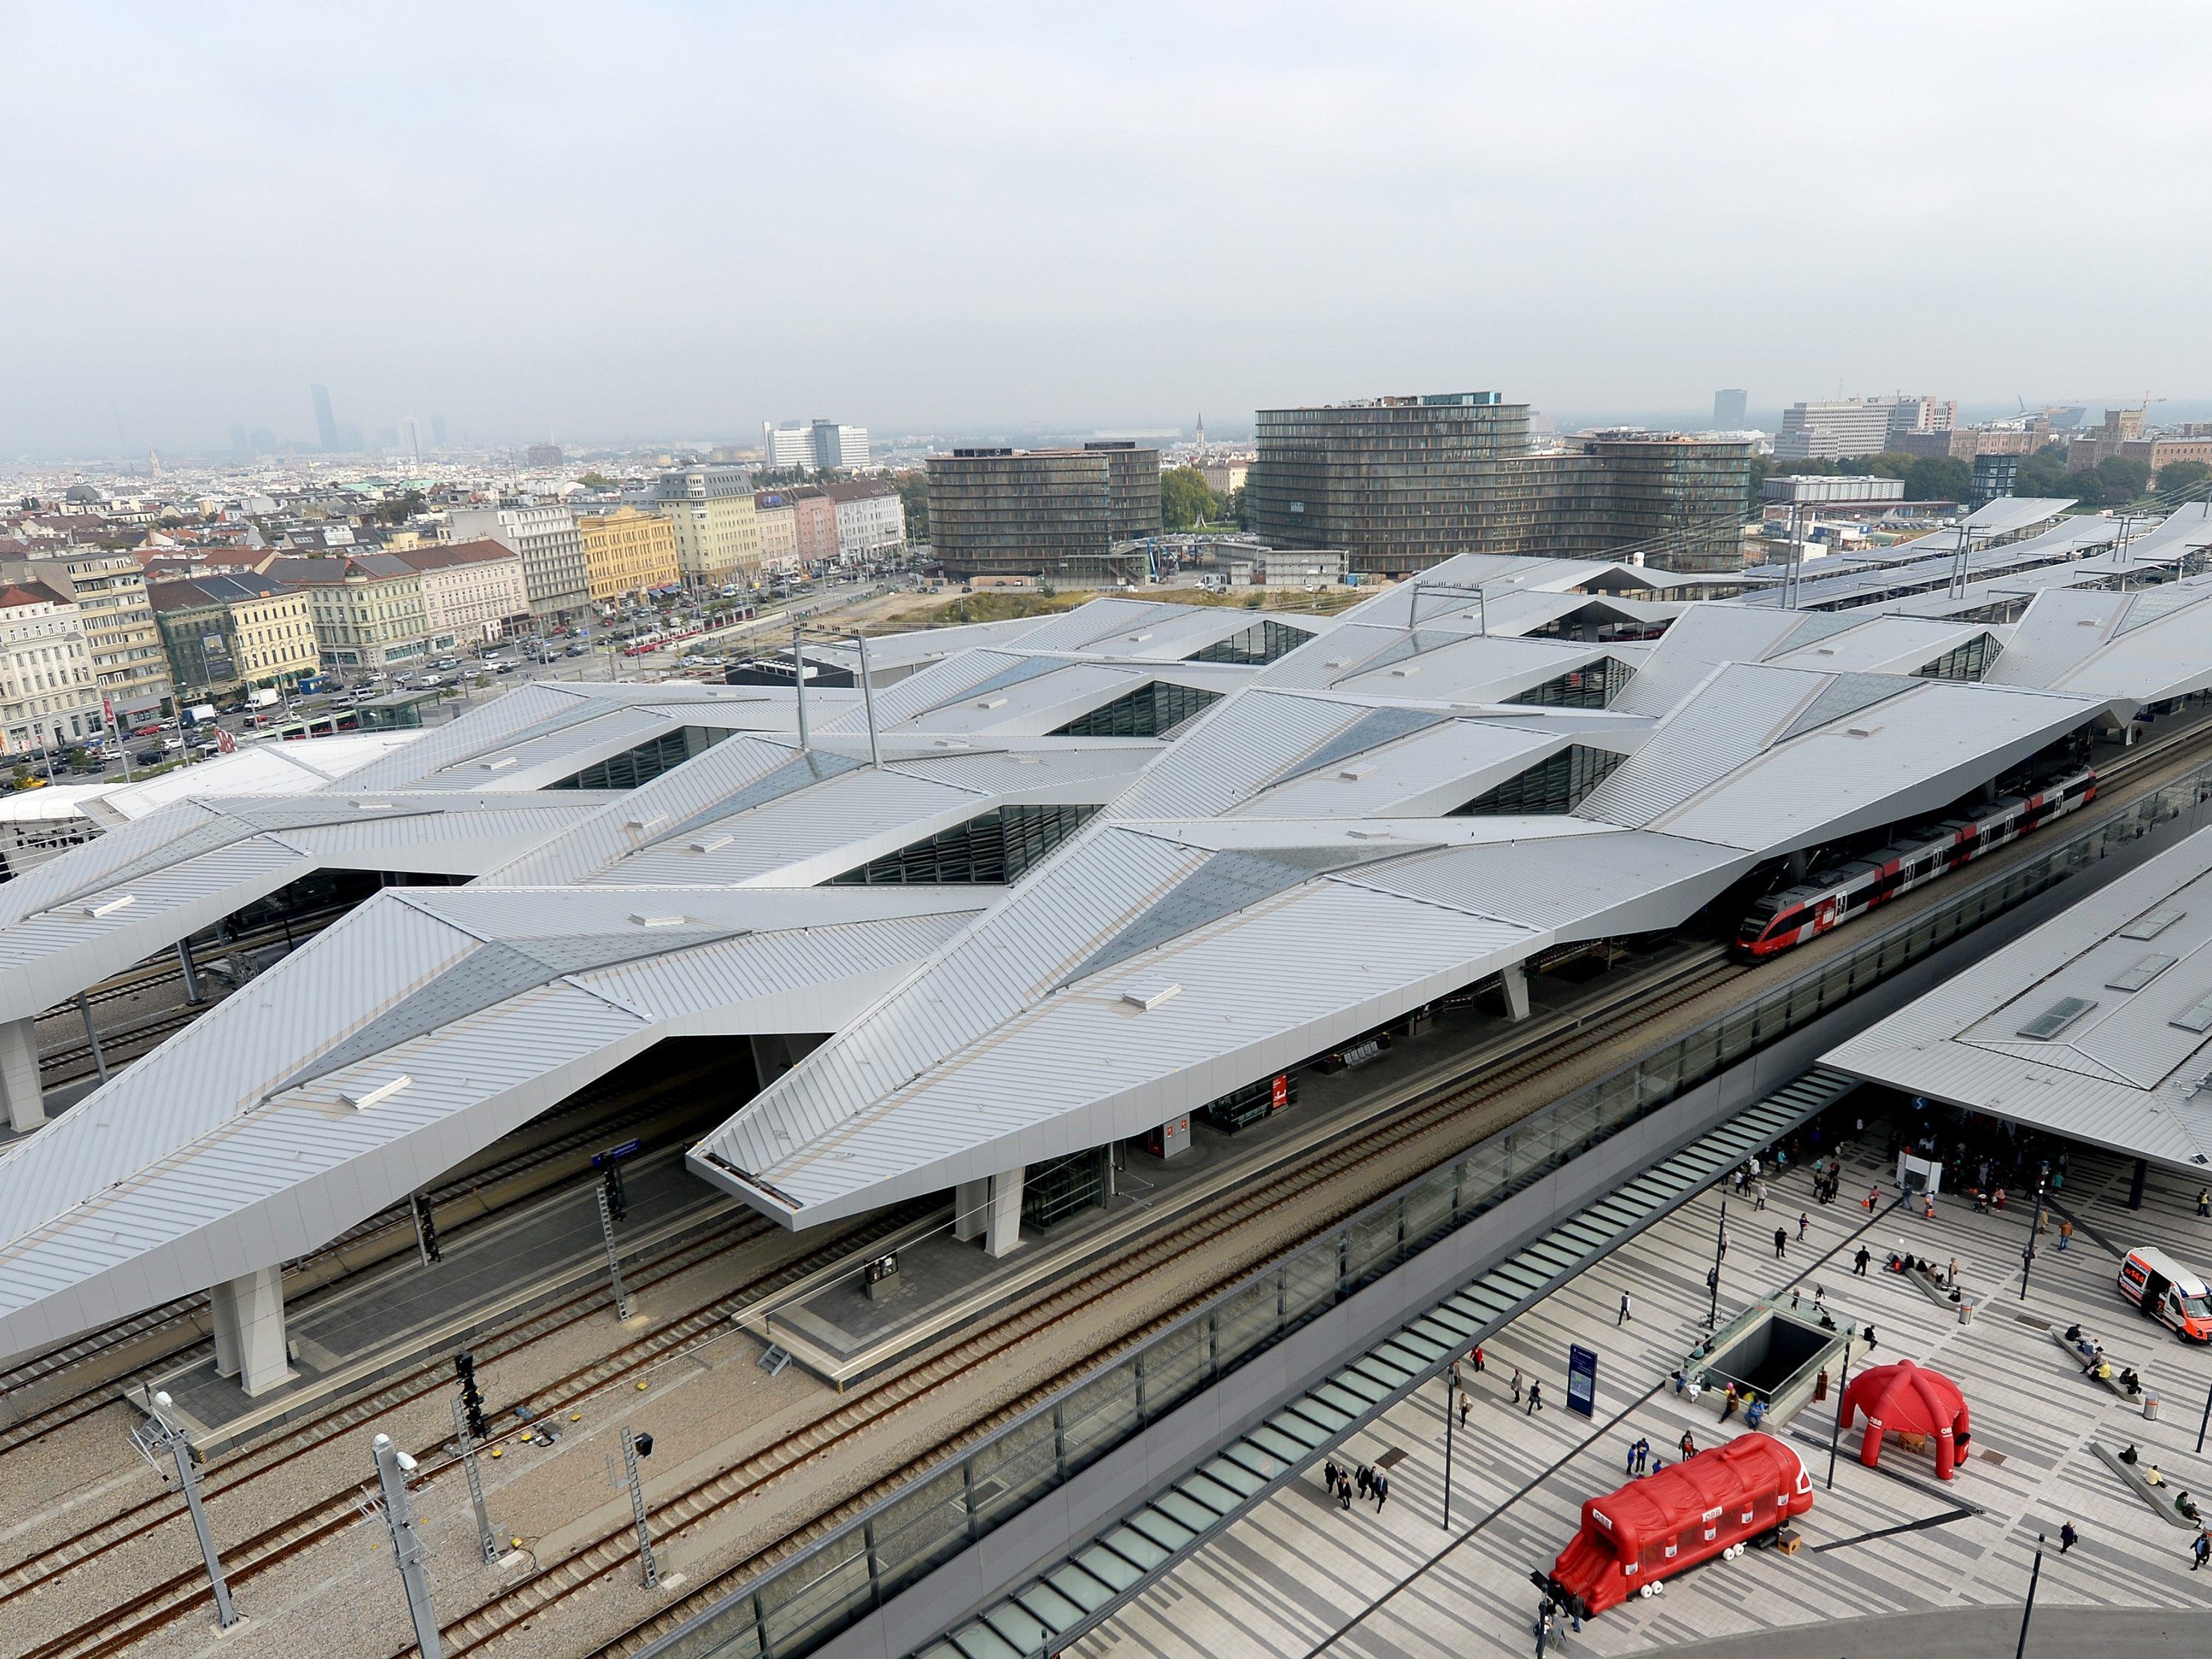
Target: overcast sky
<point x="632" y="222"/>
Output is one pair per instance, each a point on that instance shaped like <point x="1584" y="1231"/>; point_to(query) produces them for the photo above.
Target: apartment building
<point x="49" y="694"/>
<point x="777" y="521"/>
<point x="553" y="568"/>
<point x="627" y="551"/>
<point x="368" y="610"/>
<point x="1043" y="512"/>
<point x="108" y="589"/>
<point x="711" y="509"/>
<point x="871" y="518"/>
<point x="472" y="592"/>
<point x="222" y="634"/>
<point x="814" y="527"/>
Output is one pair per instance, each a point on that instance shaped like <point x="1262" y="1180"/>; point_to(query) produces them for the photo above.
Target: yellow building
<point x="711" y="509"/>
<point x="225" y="632"/>
<point x="627" y="551"/>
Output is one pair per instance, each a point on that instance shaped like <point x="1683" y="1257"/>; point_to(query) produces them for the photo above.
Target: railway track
<point x="141" y="1615"/>
<point x="1437" y="1128"/>
<point x="186" y="1318"/>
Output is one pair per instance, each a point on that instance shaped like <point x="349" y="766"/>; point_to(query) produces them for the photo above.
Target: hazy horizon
<point x="610" y="228"/>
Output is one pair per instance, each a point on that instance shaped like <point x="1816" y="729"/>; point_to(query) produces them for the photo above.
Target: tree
<point x="914" y="496"/>
<point x="596" y="480"/>
<point x="2182" y="475"/>
<point x="1937" y="478"/>
<point x="2043" y="473"/>
<point x="1185" y="499"/>
<point x="2123" y="479"/>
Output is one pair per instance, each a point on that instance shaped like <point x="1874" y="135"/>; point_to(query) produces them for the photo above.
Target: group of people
<point x="1340" y="1483"/>
<point x="1828" y="1180"/>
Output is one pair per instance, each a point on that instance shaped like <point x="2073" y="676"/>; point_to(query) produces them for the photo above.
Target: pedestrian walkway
<point x="1301" y="1576"/>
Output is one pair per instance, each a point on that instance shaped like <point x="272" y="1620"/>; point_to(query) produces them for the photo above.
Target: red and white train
<point x="1834" y="895"/>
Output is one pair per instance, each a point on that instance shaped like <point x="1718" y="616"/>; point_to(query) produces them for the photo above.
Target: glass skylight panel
<point x="2150" y="924"/>
<point x="2197" y="1018"/>
<point x="2055" y="1018"/>
<point x="2140" y="973"/>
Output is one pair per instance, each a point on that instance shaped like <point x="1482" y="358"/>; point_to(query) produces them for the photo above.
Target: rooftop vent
<point x="2151" y="923"/>
<point x="2137" y="974"/>
<point x="2055" y="1018"/>
<point x="1353" y="774"/>
<point x="500" y="764"/>
<point x="712" y="843"/>
<point x="1149" y="997"/>
<point x="643" y="825"/>
<point x="645" y="921"/>
<point x="1860" y="730"/>
<point x="109" y="906"/>
<point x="379" y="1095"/>
<point x="992" y="703"/>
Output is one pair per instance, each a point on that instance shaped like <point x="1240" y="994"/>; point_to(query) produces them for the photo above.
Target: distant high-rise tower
<point x="326" y="424"/>
<point x="1728" y="409"/>
<point x="239" y="443"/>
<point x="438" y="431"/>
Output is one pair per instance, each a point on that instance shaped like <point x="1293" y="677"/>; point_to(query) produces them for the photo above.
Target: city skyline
<point x="1245" y="209"/>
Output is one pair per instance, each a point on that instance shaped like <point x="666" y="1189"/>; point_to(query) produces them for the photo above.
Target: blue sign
<point x="627" y="1149"/>
<point x="1581" y="1380"/>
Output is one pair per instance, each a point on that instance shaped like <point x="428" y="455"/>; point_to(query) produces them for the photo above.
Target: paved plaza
<point x="1301" y="1577"/>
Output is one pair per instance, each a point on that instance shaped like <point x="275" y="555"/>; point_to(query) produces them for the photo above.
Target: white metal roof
<point x="2097" y="1024"/>
<point x="2140" y="647"/>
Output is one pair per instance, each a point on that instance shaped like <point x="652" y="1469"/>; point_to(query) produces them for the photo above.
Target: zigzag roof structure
<point x="1034" y="888"/>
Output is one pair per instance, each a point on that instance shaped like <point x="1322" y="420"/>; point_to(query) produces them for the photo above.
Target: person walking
<point x="1627" y="1310"/>
<point x="1804" y="1221"/>
<point x="1329" y="1473"/>
<point x="1517" y="1385"/>
<point x="1543" y="1633"/>
<point x="1642" y="1455"/>
<point x="1535" y="1398"/>
<point x="1365" y="1480"/>
<point x="2204" y="1201"/>
<point x="2068" y="1538"/>
<point x="1873" y="1193"/>
<point x="2201" y="1550"/>
<point x="2065" y="1233"/>
<point x="1380" y="1487"/>
<point x="1781" y="1244"/>
<point x="1466" y="1405"/>
<point x="1761" y="1204"/>
<point x="1859" y="1262"/>
<point x="1689" y="1445"/>
<point x="1476" y="1357"/>
<point x="1725" y="1244"/>
<point x="1344" y="1492"/>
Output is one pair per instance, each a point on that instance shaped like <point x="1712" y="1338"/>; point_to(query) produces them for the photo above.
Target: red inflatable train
<point x="1650" y="1530"/>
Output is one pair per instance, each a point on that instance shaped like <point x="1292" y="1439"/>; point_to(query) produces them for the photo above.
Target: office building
<point x="1224" y="477"/>
<point x="1922" y="414"/>
<point x="1994" y="477"/>
<point x="1830" y="429"/>
<point x="108" y="589"/>
<point x="49" y="695"/>
<point x="472" y="592"/>
<point x="367" y="610"/>
<point x="1729" y="408"/>
<point x="326" y="423"/>
<point x="225" y="633"/>
<point x="785" y="446"/>
<point x="542" y="458"/>
<point x="1053" y="512"/>
<point x="711" y="508"/>
<point x="1406" y="483"/>
<point x="870" y="520"/>
<point x="627" y="551"/>
<point x="840" y="447"/>
<point x="552" y="555"/>
<point x="777" y="523"/>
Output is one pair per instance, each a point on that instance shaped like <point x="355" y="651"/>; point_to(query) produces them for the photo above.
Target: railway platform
<point x="831" y="1325"/>
<point x="392" y="1317"/>
<point x="1300" y="1575"/>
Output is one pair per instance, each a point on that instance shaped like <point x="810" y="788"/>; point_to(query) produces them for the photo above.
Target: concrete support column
<point x="971" y="1204"/>
<point x="1005" y="1234"/>
<point x="19" y="1074"/>
<point x="2135" y="1185"/>
<point x="249" y="1330"/>
<point x="1516" y="978"/>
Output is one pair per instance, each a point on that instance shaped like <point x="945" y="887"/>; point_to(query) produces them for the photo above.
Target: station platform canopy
<point x="2097" y="1026"/>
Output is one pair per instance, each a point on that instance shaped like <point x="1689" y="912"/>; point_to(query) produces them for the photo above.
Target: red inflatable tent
<point x="1905" y="1399"/>
<point x="1689" y="1512"/>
